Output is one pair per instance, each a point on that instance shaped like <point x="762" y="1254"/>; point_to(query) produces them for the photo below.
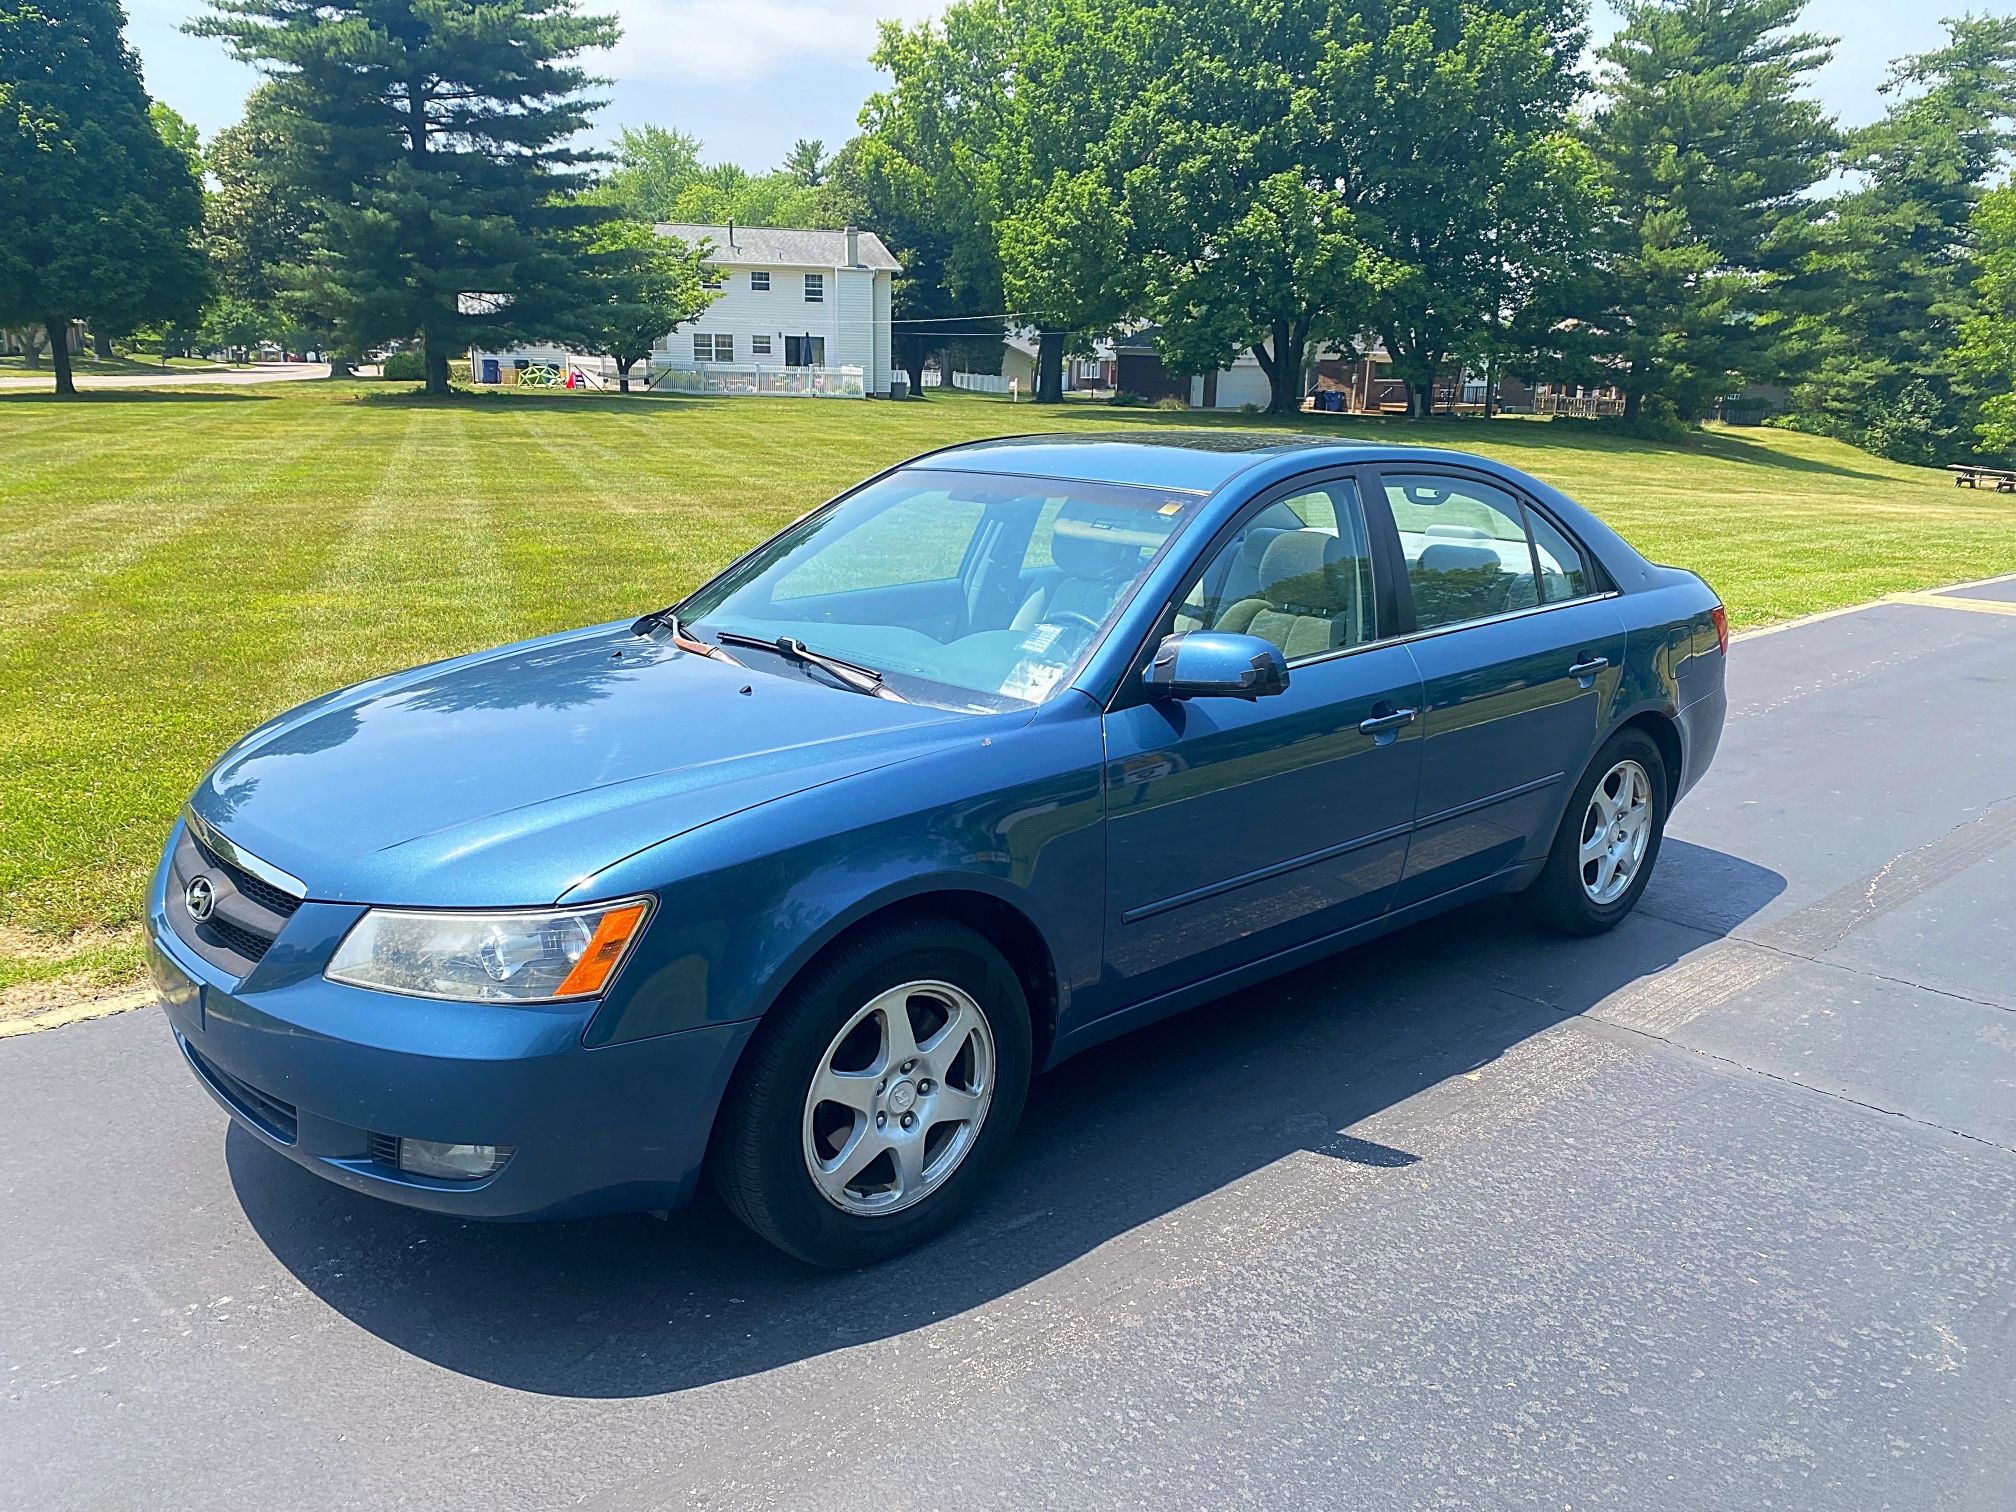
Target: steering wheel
<point x="1072" y="616"/>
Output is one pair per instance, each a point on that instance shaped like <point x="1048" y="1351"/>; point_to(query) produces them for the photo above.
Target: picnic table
<point x="2001" y="479"/>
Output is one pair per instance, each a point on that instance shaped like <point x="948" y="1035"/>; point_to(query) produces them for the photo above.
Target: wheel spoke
<point x="941" y="1050"/>
<point x="1606" y="869"/>
<point x="850" y="1089"/>
<point x="856" y="1155"/>
<point x="909" y="1152"/>
<point x="899" y="1037"/>
<point x="954" y="1105"/>
<point x="1604" y="804"/>
<point x="1595" y="846"/>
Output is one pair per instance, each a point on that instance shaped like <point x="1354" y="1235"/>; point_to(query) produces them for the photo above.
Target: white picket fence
<point x="750" y="378"/>
<point x="982" y="383"/>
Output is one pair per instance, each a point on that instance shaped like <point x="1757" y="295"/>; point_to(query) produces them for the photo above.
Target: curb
<point x="76" y="1013"/>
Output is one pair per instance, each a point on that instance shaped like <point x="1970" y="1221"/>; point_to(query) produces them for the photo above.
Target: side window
<point x="1466" y="548"/>
<point x="1563" y="575"/>
<point x="1297" y="573"/>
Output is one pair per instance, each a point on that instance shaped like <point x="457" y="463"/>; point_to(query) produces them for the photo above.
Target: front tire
<point x="1608" y="842"/>
<point x="879" y="1095"/>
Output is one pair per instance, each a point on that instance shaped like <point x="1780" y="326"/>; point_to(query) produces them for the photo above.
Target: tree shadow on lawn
<point x="195" y="393"/>
<point x="1727" y="448"/>
<point x="1507" y="433"/>
<point x="1114" y="1139"/>
<point x="504" y="399"/>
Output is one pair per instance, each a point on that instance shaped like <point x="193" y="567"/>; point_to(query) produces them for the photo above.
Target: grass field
<point x="175" y="567"/>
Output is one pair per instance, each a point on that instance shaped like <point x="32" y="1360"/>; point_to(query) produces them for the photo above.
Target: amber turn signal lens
<point x="606" y="948"/>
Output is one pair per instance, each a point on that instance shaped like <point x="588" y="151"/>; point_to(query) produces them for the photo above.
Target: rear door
<point x="1520" y="649"/>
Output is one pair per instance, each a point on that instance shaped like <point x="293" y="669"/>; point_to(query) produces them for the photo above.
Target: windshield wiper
<point x="669" y="620"/>
<point x="861" y="679"/>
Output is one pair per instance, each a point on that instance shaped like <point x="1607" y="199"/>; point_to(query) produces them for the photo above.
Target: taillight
<point x="1721" y="618"/>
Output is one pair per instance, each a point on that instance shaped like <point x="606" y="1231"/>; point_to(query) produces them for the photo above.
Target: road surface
<point x="1717" y="1211"/>
<point x="268" y="372"/>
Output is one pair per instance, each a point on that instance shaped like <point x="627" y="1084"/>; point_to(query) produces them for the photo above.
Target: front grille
<point x="247" y="915"/>
<point x="260" y="891"/>
<point x="248" y="943"/>
<point x="271" y="1114"/>
<point x="385" y="1150"/>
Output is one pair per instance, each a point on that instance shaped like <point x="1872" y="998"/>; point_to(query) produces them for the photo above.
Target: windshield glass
<point x="982" y="590"/>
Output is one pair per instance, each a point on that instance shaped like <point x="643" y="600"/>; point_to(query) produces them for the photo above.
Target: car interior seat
<point x="1310" y="598"/>
<point x="1455" y="581"/>
<point x="1094" y="558"/>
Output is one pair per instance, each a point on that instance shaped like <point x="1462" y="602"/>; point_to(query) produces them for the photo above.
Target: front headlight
<point x="518" y="956"/>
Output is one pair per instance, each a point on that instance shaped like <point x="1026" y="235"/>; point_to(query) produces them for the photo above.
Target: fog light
<point x="451" y="1162"/>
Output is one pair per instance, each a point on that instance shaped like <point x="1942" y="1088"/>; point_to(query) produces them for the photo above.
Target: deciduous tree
<point x="640" y="286"/>
<point x="98" y="215"/>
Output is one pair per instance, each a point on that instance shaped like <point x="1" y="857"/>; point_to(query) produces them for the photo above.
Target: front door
<point x="1520" y="654"/>
<point x="1236" y="830"/>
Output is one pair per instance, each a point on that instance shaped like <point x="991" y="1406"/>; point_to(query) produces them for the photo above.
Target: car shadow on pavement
<point x="1113" y="1139"/>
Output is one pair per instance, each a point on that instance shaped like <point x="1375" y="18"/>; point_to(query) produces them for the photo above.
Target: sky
<point x="750" y="77"/>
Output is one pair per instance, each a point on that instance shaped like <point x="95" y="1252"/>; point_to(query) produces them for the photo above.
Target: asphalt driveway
<point x="1718" y="1211"/>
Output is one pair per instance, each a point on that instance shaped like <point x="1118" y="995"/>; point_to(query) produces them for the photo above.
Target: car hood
<point x="514" y="775"/>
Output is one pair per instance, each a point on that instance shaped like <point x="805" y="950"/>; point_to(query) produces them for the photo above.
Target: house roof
<point x="783" y="246"/>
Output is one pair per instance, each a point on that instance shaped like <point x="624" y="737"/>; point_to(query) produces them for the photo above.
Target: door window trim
<point x="1379" y="471"/>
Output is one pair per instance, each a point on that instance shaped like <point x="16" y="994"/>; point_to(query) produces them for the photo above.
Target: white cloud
<point x="712" y="41"/>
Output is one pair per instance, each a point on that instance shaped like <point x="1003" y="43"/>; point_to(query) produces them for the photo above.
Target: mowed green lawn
<point x="175" y="567"/>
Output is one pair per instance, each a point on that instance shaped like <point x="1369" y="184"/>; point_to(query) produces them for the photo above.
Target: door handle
<point x="1384" y="724"/>
<point x="1589" y="667"/>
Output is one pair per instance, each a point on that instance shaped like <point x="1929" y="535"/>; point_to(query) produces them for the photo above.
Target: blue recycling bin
<point x="490" y="371"/>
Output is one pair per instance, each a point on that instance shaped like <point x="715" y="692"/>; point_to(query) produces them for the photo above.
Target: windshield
<point x="977" y="589"/>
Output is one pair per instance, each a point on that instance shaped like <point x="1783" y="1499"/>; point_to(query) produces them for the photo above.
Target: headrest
<point x="1308" y="572"/>
<point x="1446" y="556"/>
<point x="1087" y="541"/>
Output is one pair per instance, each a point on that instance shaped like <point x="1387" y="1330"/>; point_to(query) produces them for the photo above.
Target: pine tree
<point x="440" y="159"/>
<point x="1896" y="259"/>
<point x="98" y="215"/>
<point x="1707" y="147"/>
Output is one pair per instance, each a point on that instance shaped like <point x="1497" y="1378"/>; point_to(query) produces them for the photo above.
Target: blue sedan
<point x="793" y="885"/>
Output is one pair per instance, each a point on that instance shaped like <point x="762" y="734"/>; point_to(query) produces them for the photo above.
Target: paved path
<point x="270" y="372"/>
<point x="1718" y="1211"/>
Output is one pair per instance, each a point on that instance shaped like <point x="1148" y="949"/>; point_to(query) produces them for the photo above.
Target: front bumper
<point x="314" y="1070"/>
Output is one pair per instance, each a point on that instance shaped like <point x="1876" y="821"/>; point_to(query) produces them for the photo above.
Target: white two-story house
<point x="791" y="299"/>
<point x="794" y="312"/>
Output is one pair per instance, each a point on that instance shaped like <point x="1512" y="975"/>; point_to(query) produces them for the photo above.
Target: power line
<point x="949" y="319"/>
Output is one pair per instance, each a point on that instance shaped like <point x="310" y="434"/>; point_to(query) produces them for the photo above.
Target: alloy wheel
<point x="899" y="1098"/>
<point x="1616" y="830"/>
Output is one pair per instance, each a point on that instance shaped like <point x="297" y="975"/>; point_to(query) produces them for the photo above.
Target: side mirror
<point x="1216" y="664"/>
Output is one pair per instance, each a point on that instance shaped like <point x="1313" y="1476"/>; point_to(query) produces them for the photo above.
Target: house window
<point x="708" y="348"/>
<point x="759" y="346"/>
<point x="712" y="278"/>
<point x="815" y="288"/>
<point x="759" y="281"/>
<point x="805" y="351"/>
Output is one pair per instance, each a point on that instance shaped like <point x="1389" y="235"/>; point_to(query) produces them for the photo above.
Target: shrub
<point x="406" y="367"/>
<point x="1657" y="420"/>
<point x="1170" y="402"/>
<point x="1127" y="399"/>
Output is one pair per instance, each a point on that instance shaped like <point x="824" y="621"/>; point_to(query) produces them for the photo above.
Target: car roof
<point x="1200" y="461"/>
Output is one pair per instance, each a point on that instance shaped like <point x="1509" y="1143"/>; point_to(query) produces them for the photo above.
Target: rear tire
<point x="1608" y="842"/>
<point x="879" y="1095"/>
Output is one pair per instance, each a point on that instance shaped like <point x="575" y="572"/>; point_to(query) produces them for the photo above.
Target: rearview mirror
<point x="1216" y="664"/>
